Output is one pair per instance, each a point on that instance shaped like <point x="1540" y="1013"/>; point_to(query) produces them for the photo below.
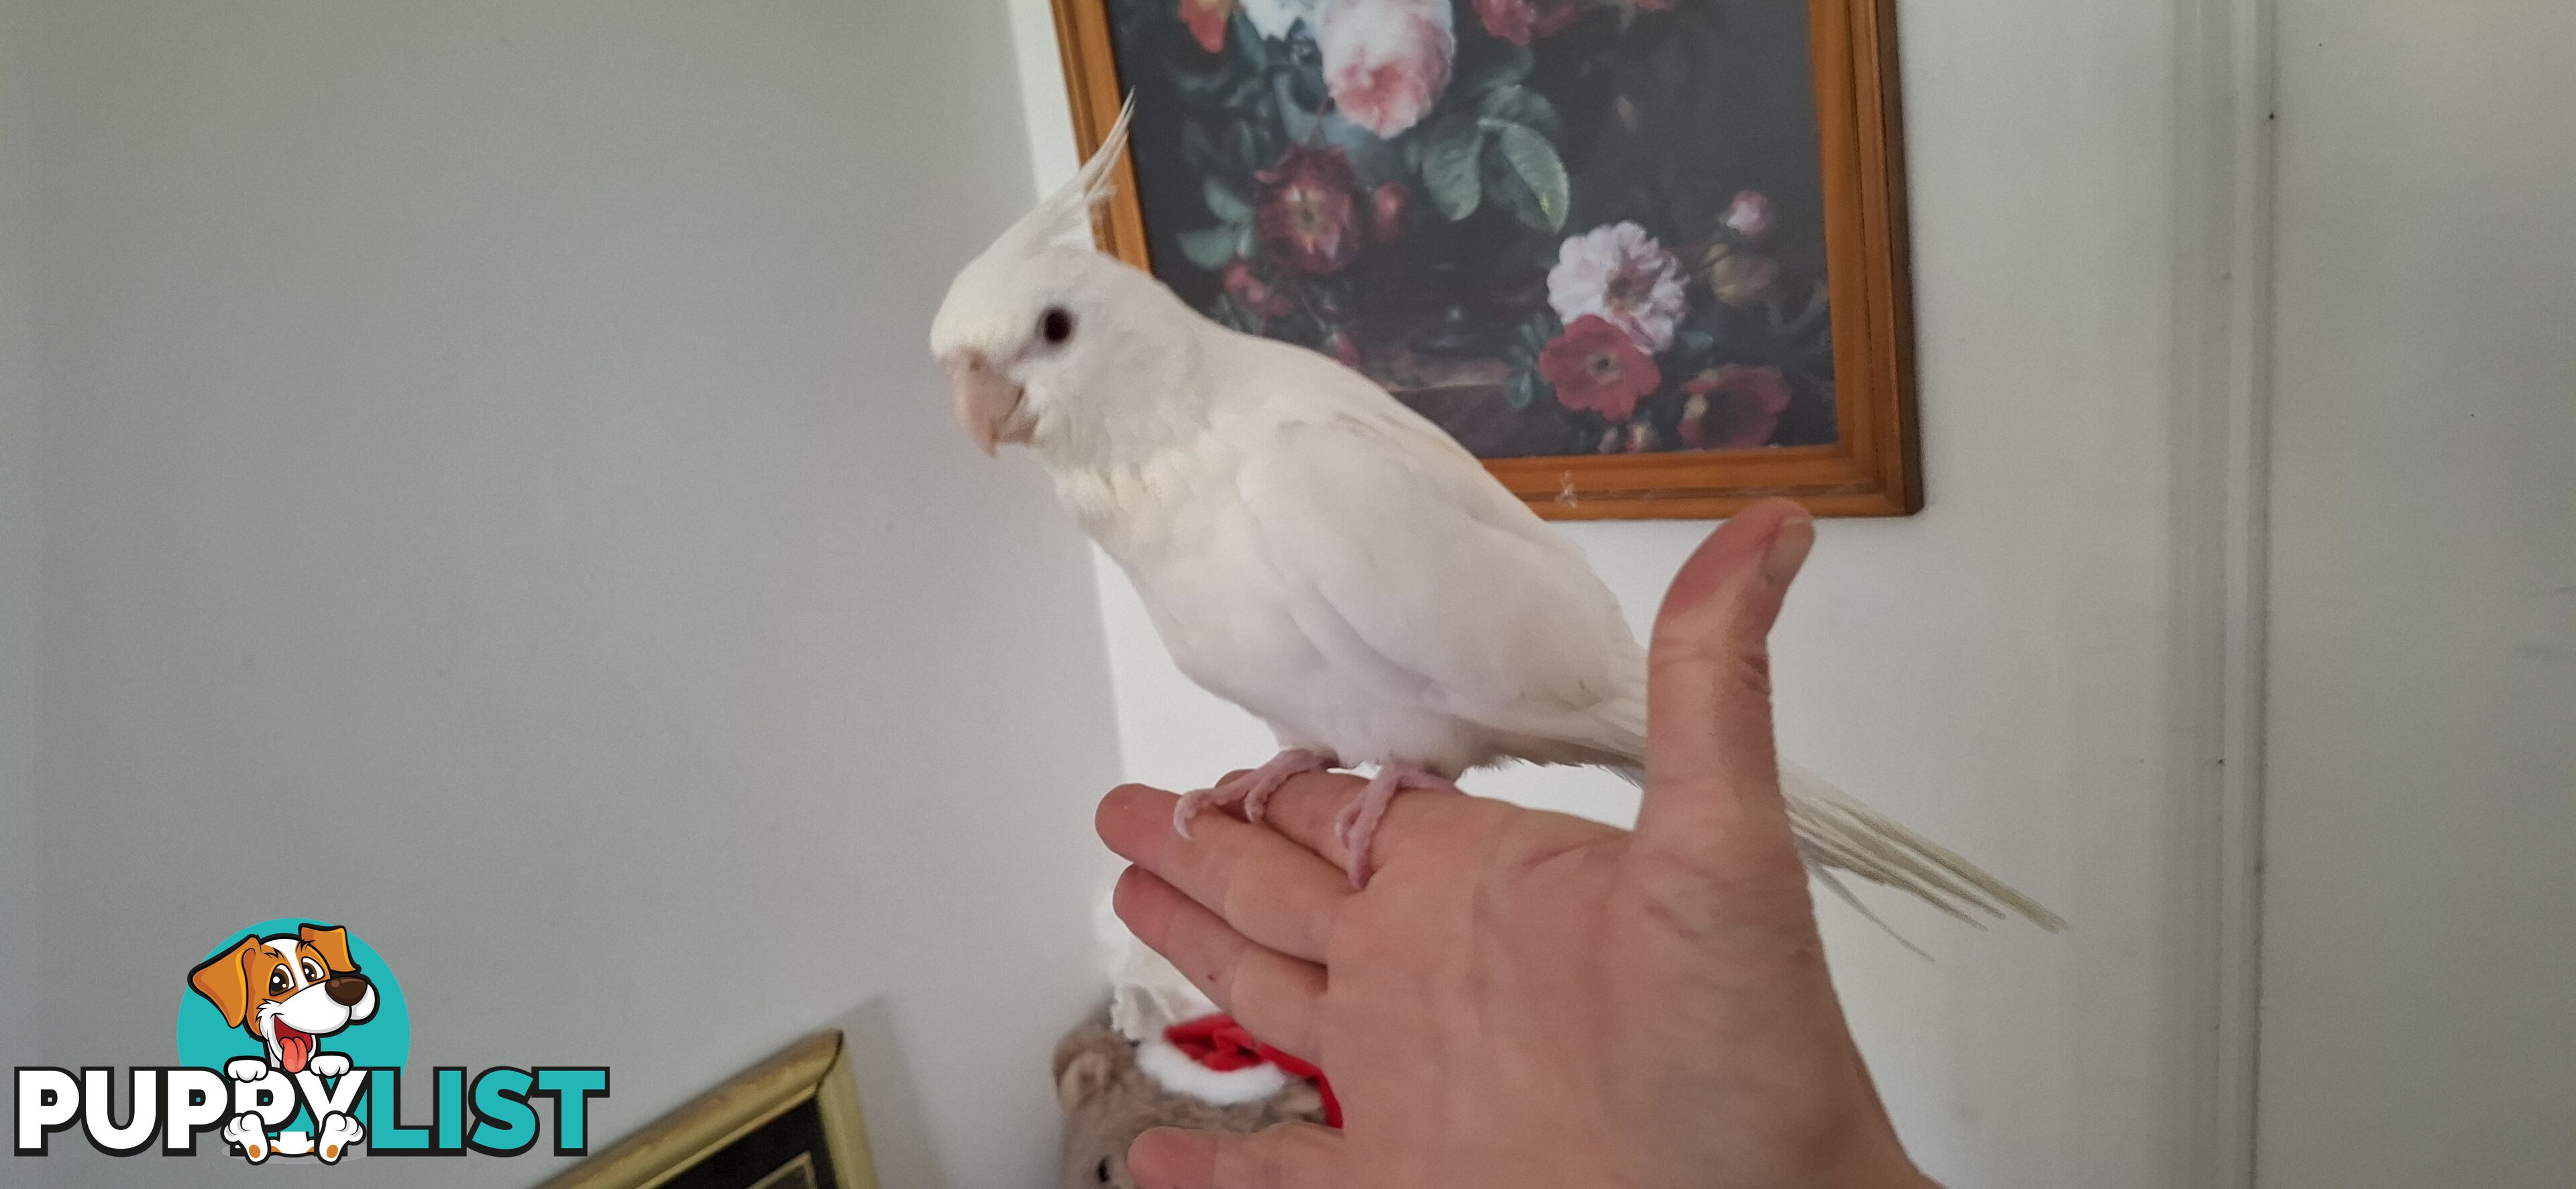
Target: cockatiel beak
<point x="988" y="404"/>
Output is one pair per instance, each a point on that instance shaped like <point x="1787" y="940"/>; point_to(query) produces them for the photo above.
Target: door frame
<point x="2221" y="368"/>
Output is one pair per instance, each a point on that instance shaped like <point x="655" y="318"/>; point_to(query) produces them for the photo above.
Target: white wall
<point x="2420" y="855"/>
<point x="493" y="494"/>
<point x="21" y="925"/>
<point x="1995" y="670"/>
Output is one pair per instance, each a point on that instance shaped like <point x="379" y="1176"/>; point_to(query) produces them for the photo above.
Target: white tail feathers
<point x="1064" y="218"/>
<point x="1834" y="833"/>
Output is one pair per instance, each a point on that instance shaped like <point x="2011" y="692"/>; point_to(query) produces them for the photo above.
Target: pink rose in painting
<point x="1733" y="407"/>
<point x="1620" y="273"/>
<point x="1749" y="215"/>
<point x="1386" y="211"/>
<point x="1206" y="19"/>
<point x="1386" y="61"/>
<point x="1306" y="207"/>
<point x="1595" y="366"/>
<point x="1521" y="21"/>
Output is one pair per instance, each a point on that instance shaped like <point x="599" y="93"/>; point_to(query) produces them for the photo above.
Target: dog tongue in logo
<point x="294" y="1045"/>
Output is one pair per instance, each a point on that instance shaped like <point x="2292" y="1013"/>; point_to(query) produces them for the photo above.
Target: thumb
<point x="1283" y="1156"/>
<point x="1712" y="777"/>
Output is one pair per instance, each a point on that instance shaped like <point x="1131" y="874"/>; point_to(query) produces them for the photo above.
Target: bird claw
<point x="1355" y="827"/>
<point x="1251" y="790"/>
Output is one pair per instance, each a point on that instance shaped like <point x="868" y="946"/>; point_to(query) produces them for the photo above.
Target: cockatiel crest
<point x="1317" y="553"/>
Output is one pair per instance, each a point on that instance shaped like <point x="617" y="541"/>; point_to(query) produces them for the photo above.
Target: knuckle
<point x="1689" y="889"/>
<point x="1749" y="670"/>
<point x="1727" y="665"/>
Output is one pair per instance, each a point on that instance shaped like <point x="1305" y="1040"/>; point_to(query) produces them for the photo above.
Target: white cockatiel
<point x="1320" y="555"/>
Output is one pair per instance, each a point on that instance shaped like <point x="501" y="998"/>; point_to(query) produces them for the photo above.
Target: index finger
<point x="1303" y="810"/>
<point x="1261" y="883"/>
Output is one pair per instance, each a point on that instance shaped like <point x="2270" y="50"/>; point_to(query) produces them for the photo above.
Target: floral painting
<point x="1553" y="226"/>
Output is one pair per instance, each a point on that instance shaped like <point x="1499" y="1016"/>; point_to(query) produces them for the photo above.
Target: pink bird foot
<point x="1356" y="827"/>
<point x="1252" y="789"/>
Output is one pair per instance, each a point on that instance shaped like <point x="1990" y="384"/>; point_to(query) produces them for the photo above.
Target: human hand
<point x="1525" y="998"/>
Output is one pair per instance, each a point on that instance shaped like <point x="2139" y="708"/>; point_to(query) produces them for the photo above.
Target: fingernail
<point x="1789" y="549"/>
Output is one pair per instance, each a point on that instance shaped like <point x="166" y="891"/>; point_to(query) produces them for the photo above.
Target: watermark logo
<point x="263" y="1010"/>
<point x="292" y="1040"/>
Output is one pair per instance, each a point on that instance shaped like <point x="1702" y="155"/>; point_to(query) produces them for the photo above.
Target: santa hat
<point x="1217" y="1060"/>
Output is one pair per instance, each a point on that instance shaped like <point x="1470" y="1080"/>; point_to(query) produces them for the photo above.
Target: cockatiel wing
<point x="1412" y="570"/>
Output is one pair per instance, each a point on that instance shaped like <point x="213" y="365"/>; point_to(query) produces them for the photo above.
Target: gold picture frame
<point x="767" y="1105"/>
<point x="1871" y="467"/>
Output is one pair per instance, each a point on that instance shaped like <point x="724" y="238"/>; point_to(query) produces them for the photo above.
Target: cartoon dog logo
<point x="289" y="990"/>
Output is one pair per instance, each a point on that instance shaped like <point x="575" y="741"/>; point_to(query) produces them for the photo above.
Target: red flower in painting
<point x="1340" y="345"/>
<point x="1519" y="21"/>
<point x="1596" y="367"/>
<point x="1733" y="407"/>
<point x="1206" y="19"/>
<point x="1307" y="210"/>
<point x="1386" y="211"/>
<point x="1257" y="295"/>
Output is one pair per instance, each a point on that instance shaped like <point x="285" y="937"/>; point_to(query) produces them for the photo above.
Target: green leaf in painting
<point x="1520" y="105"/>
<point x="1249" y="49"/>
<point x="1232" y="313"/>
<point x="1510" y="193"/>
<point x="1536" y="167"/>
<point x="1196" y="149"/>
<point x="1246" y="155"/>
<point x="1224" y="203"/>
<point x="1211" y="247"/>
<point x="1449" y="167"/>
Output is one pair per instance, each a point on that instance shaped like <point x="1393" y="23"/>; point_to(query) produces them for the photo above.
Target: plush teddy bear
<point x="1110" y="1097"/>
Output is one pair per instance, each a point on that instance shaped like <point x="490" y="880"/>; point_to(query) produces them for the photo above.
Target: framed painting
<point x="790" y="1122"/>
<point x="1646" y="258"/>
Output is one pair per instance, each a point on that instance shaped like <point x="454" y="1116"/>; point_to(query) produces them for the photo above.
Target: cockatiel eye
<point x="1055" y="325"/>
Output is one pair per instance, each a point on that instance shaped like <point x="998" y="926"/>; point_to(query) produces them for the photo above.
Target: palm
<point x="1507" y="926"/>
<point x="1526" y="998"/>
